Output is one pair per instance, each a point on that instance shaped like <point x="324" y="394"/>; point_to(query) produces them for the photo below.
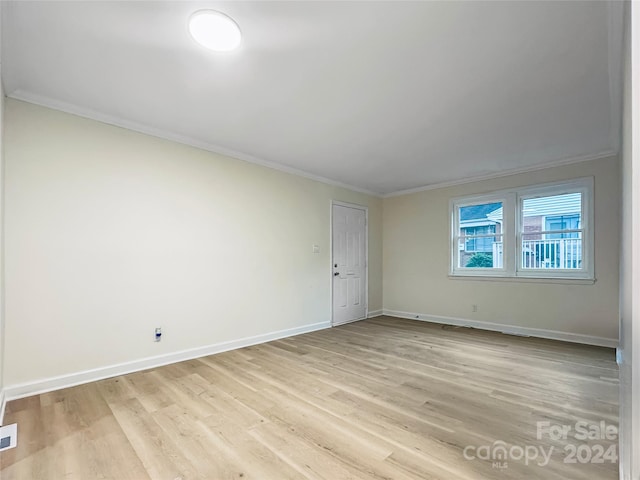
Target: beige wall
<point x="416" y="261"/>
<point x="111" y="233"/>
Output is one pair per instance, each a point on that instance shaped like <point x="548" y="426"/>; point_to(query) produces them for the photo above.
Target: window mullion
<point x="510" y="234"/>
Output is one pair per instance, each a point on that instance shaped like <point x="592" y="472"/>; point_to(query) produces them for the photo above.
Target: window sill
<point x="523" y="279"/>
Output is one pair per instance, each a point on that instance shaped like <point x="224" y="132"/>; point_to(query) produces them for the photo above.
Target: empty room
<point x="319" y="240"/>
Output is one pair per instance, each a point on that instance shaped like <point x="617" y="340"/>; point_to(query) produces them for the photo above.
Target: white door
<point x="349" y="264"/>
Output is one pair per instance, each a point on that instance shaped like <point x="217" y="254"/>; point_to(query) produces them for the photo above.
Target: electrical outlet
<point x="474" y="308"/>
<point x="158" y="334"/>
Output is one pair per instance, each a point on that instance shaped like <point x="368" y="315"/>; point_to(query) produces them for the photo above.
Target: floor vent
<point x="8" y="436"/>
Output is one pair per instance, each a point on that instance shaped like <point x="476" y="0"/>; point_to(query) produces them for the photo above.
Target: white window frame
<point x="512" y="222"/>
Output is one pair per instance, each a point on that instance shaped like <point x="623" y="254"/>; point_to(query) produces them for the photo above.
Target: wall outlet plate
<point x="8" y="437"/>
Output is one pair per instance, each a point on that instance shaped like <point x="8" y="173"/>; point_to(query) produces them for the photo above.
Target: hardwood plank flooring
<point x="383" y="398"/>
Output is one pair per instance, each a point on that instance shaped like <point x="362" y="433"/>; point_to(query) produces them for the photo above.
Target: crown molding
<point x="91" y="114"/>
<point x="505" y="173"/>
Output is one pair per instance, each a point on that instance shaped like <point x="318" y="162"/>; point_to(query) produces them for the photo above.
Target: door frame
<point x="366" y="257"/>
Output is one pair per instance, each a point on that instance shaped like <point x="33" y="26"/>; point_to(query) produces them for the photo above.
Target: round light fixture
<point x="215" y="31"/>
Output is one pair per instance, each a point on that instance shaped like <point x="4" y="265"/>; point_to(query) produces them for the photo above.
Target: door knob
<point x="336" y="274"/>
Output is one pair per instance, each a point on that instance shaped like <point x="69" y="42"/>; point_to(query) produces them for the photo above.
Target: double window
<point x="541" y="231"/>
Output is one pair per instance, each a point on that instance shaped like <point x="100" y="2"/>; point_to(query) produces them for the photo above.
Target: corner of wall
<point x="2" y="330"/>
<point x="3" y="404"/>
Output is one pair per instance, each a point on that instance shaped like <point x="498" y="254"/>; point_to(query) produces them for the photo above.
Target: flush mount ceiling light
<point x="215" y="31"/>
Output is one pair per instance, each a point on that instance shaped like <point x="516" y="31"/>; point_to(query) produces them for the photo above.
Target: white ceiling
<point x="383" y="96"/>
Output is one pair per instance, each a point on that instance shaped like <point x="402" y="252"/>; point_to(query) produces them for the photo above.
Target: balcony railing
<point x="497" y="255"/>
<point x="557" y="253"/>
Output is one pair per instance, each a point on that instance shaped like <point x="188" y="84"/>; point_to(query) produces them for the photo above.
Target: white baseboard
<point x="3" y="403"/>
<point x="371" y="314"/>
<point x="508" y="329"/>
<point x="13" y="392"/>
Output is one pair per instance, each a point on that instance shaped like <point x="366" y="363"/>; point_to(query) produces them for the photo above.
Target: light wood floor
<point x="378" y="399"/>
